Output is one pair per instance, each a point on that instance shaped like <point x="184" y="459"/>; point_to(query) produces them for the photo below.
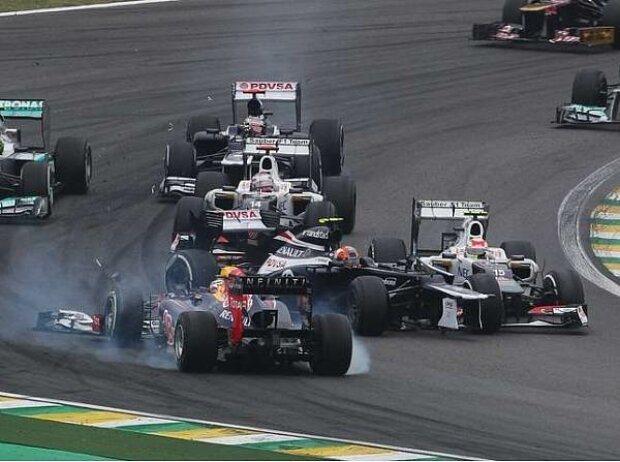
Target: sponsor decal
<point x="390" y="282"/>
<point x="275" y="263"/>
<point x="292" y="252"/>
<point x="21" y="105"/>
<point x="266" y="86"/>
<point x="463" y="272"/>
<point x="316" y="233"/>
<point x="242" y="215"/>
<point x="258" y="283"/>
<point x="277" y="141"/>
<point x="228" y="316"/>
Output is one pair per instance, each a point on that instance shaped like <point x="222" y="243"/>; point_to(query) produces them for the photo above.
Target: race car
<point x="30" y="176"/>
<point x="235" y="319"/>
<point x="594" y="102"/>
<point x="528" y="298"/>
<point x="208" y="148"/>
<point x="568" y="24"/>
<point x="373" y="295"/>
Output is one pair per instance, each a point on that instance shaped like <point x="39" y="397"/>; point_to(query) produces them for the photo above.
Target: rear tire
<point x="317" y="210"/>
<point x="333" y="344"/>
<point x="590" y="88"/>
<point x="73" y="161"/>
<point x="564" y="287"/>
<point x="207" y="181"/>
<point x="387" y="249"/>
<point x="195" y="341"/>
<point x="188" y="270"/>
<point x="201" y="123"/>
<point x="123" y="315"/>
<point x="368" y="306"/>
<point x="484" y="316"/>
<point x="328" y="136"/>
<point x="511" y="12"/>
<point x="525" y="248"/>
<point x="342" y="192"/>
<point x="180" y="160"/>
<point x="611" y="17"/>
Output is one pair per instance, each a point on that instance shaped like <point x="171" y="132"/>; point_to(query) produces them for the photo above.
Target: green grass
<point x="119" y="444"/>
<point x="17" y="5"/>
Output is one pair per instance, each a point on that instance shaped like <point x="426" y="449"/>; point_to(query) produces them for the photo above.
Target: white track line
<point x="569" y="232"/>
<point x="96" y="6"/>
<point x="414" y="452"/>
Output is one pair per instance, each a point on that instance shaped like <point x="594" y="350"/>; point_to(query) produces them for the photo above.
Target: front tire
<point x="36" y="179"/>
<point x="368" y="306"/>
<point x="333" y="344"/>
<point x="511" y="12"/>
<point x="180" y="160"/>
<point x="387" y="249"/>
<point x="342" y="192"/>
<point x="123" y="315"/>
<point x="317" y="210"/>
<point x="195" y="341"/>
<point x="208" y="181"/>
<point x="484" y="316"/>
<point x="564" y="287"/>
<point x="611" y="17"/>
<point x="523" y="248"/>
<point x="590" y="88"/>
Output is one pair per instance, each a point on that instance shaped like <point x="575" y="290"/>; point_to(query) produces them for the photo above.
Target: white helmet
<point x="262" y="182"/>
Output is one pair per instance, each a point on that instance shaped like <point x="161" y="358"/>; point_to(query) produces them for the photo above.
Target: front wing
<point x="554" y="316"/>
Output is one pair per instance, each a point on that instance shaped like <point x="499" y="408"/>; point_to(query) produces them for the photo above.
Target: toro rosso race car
<point x="462" y="251"/>
<point x="292" y="202"/>
<point x="594" y="103"/>
<point x="209" y="148"/>
<point x="235" y="318"/>
<point x="30" y="176"/>
<point x="571" y="23"/>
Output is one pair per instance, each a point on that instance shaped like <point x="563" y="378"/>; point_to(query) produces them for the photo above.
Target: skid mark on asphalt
<point x="96" y="6"/>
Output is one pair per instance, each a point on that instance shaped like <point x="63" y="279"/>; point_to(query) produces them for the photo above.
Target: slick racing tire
<point x="611" y="17"/>
<point x="590" y="88"/>
<point x="317" y="210"/>
<point x="201" y="123"/>
<point x="308" y="167"/>
<point x="328" y="136"/>
<point x="73" y="160"/>
<point x="484" y="316"/>
<point x="333" y="344"/>
<point x="36" y="178"/>
<point x="208" y="181"/>
<point x="195" y="341"/>
<point x="342" y="192"/>
<point x="511" y="12"/>
<point x="563" y="287"/>
<point x="188" y="270"/>
<point x="523" y="248"/>
<point x="180" y="160"/>
<point x="368" y="306"/>
<point x="187" y="214"/>
<point x="123" y="314"/>
<point x="387" y="249"/>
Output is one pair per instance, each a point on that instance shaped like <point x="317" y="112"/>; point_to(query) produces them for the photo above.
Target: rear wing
<point x="445" y="210"/>
<point x="274" y="91"/>
<point x="277" y="146"/>
<point x="279" y="285"/>
<point x="28" y="110"/>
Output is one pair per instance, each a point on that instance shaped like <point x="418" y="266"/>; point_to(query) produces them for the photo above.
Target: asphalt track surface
<point x="426" y="113"/>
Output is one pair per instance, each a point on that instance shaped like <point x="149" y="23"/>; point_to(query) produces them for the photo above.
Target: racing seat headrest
<point x="268" y="164"/>
<point x="474" y="230"/>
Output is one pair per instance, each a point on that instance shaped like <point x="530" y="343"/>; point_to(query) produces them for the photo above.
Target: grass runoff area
<point x="101" y="443"/>
<point x="18" y="5"/>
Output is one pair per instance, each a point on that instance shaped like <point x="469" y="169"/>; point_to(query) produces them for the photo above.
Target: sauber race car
<point x="235" y="318"/>
<point x="209" y="148"/>
<point x="594" y="102"/>
<point x="293" y="202"/>
<point x="30" y="176"/>
<point x="528" y="298"/>
<point x="573" y="24"/>
<point x="374" y="296"/>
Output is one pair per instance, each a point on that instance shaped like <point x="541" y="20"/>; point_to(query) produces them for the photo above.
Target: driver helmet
<point x="255" y="125"/>
<point x="262" y="182"/>
<point x="477" y="247"/>
<point x="255" y="107"/>
<point x="348" y="255"/>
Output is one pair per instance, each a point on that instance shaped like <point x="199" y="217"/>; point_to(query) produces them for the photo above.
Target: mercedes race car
<point x="373" y="295"/>
<point x="571" y="24"/>
<point x="208" y="148"/>
<point x="30" y="176"/>
<point x="236" y="318"/>
<point x="594" y="103"/>
<point x="528" y="298"/>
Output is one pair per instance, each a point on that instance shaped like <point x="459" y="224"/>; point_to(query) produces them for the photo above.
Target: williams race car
<point x="594" y="103"/>
<point x="30" y="176"/>
<point x="571" y="24"/>
<point x="208" y="148"/>
<point x="529" y="299"/>
<point x="236" y="318"/>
